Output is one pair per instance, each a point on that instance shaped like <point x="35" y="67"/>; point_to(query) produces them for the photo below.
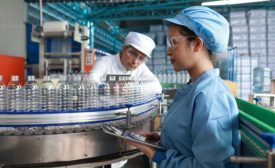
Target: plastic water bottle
<point x="77" y="91"/>
<point x="48" y="95"/>
<point x="3" y="92"/>
<point x="104" y="93"/>
<point x="131" y="92"/>
<point x="32" y="95"/>
<point x="15" y="95"/>
<point x="122" y="90"/>
<point x="94" y="95"/>
<point x="159" y="76"/>
<point x="179" y="78"/>
<point x="87" y="80"/>
<point x="138" y="91"/>
<point x="90" y="90"/>
<point x="114" y="91"/>
<point x="174" y="78"/>
<point x="63" y="94"/>
<point x="164" y="78"/>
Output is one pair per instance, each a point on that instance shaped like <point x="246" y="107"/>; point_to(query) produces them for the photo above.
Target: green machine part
<point x="261" y="118"/>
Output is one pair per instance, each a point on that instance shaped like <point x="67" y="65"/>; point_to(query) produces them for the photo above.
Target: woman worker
<point x="201" y="127"/>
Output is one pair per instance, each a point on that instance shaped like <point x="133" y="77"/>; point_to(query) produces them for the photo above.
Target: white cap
<point x="140" y="42"/>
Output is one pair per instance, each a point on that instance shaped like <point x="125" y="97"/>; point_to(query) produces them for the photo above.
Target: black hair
<point x="191" y="37"/>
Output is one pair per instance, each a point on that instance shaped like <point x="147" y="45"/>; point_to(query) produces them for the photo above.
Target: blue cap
<point x="212" y="27"/>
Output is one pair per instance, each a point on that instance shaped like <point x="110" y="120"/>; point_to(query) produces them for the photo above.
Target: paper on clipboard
<point x="127" y="135"/>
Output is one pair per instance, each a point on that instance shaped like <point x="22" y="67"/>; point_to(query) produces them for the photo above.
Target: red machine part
<point x="12" y="65"/>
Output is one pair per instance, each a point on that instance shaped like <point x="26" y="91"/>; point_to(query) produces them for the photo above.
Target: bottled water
<point x="164" y="78"/>
<point x="63" y="94"/>
<point x="122" y="90"/>
<point x="104" y="93"/>
<point x="15" y="95"/>
<point x="87" y="81"/>
<point x="90" y="91"/>
<point x="139" y="91"/>
<point x="169" y="78"/>
<point x="3" y="102"/>
<point x="130" y="88"/>
<point x="114" y="91"/>
<point x="32" y="95"/>
<point x="179" y="78"/>
<point x="262" y="80"/>
<point x="77" y="91"/>
<point x="135" y="90"/>
<point x="174" y="78"/>
<point x="94" y="94"/>
<point x="48" y="95"/>
<point x="160" y="76"/>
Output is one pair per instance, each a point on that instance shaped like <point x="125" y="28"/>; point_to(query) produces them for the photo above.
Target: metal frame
<point x="264" y="95"/>
<point x="257" y="133"/>
<point x="268" y="159"/>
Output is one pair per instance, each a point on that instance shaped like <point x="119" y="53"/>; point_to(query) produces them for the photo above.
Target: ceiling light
<point x="230" y="2"/>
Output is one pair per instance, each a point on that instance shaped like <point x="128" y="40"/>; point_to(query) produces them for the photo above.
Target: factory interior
<point x="137" y="84"/>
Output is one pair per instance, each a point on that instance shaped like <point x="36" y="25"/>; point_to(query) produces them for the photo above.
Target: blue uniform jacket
<point x="201" y="127"/>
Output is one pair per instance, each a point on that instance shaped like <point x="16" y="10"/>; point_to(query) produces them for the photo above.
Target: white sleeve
<point x="99" y="69"/>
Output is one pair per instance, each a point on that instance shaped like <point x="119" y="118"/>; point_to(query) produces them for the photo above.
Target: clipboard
<point x="128" y="135"/>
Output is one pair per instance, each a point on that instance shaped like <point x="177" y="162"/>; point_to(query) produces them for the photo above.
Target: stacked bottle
<point x="3" y="102"/>
<point x="130" y="88"/>
<point x="77" y="95"/>
<point x="48" y="95"/>
<point x="175" y="78"/>
<point x="139" y="91"/>
<point x="104" y="93"/>
<point x="122" y="90"/>
<point x="90" y="90"/>
<point x="32" y="95"/>
<point x="114" y="91"/>
<point x="262" y="80"/>
<point x="63" y="94"/>
<point x="15" y="95"/>
<point x="77" y="91"/>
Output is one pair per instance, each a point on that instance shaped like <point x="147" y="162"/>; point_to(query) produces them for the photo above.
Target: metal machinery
<point x="258" y="133"/>
<point x="74" y="137"/>
<point x="57" y="36"/>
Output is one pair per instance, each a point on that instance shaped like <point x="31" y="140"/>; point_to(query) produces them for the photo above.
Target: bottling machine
<point x="74" y="136"/>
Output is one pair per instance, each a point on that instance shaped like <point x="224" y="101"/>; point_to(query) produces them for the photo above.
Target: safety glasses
<point x="173" y="41"/>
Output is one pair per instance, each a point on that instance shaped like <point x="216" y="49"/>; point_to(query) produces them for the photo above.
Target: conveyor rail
<point x="257" y="126"/>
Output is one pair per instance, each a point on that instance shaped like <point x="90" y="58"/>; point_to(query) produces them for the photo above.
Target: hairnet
<point x="212" y="27"/>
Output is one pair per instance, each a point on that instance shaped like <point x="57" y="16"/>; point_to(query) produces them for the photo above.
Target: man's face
<point x="131" y="58"/>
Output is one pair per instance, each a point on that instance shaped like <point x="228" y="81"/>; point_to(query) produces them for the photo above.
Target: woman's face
<point x="181" y="50"/>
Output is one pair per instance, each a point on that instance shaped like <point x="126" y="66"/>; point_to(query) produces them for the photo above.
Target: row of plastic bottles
<point x="77" y="93"/>
<point x="176" y="78"/>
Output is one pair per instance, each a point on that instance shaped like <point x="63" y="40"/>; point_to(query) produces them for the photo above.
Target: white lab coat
<point x="112" y="65"/>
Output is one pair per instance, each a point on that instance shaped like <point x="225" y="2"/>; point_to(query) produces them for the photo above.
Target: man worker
<point x="130" y="60"/>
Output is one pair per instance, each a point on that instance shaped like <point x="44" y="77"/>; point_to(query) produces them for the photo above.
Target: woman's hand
<point x="151" y="136"/>
<point x="147" y="150"/>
